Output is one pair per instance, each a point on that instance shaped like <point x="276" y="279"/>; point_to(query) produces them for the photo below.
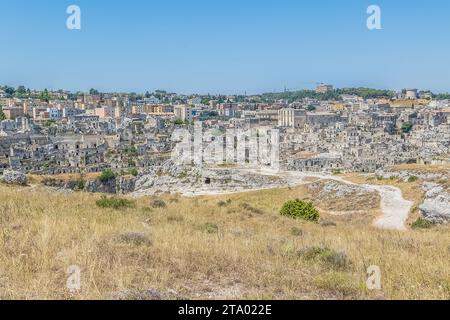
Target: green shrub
<point x="107" y="175"/>
<point x="80" y="185"/>
<point x="131" y="151"/>
<point x="114" y="203"/>
<point x="183" y="175"/>
<point x="134" y="172"/>
<point x="412" y="179"/>
<point x="422" y="223"/>
<point x="407" y="127"/>
<point x="299" y="209"/>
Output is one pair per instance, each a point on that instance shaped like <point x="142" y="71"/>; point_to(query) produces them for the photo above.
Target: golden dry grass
<point x="206" y="247"/>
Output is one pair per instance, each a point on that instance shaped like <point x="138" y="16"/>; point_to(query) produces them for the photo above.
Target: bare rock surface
<point x="436" y="207"/>
<point x="14" y="177"/>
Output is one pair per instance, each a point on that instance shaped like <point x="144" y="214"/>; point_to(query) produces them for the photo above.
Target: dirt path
<point x="394" y="207"/>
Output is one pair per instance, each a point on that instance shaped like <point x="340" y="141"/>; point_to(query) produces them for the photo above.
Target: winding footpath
<point x="394" y="207"/>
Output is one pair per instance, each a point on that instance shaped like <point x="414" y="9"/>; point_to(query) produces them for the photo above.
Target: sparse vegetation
<point x="334" y="259"/>
<point x="210" y="228"/>
<point x="224" y="203"/>
<point x="340" y="283"/>
<point x="114" y="203"/>
<point x="183" y="175"/>
<point x="80" y="185"/>
<point x="134" y="172"/>
<point x="135" y="238"/>
<point x="251" y="209"/>
<point x="407" y="127"/>
<point x="158" y="203"/>
<point x="422" y="223"/>
<point x="296" y="232"/>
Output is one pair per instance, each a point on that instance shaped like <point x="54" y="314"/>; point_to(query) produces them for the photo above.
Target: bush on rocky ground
<point x="299" y="209"/>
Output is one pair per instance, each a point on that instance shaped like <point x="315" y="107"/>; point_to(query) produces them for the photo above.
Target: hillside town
<point x="58" y="132"/>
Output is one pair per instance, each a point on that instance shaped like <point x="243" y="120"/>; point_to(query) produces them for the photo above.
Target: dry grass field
<point x="225" y="247"/>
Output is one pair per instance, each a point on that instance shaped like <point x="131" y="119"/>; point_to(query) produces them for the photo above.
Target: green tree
<point x="9" y="90"/>
<point x="93" y="92"/>
<point x="44" y="96"/>
<point x="21" y="92"/>
<point x="407" y="127"/>
<point x="107" y="175"/>
<point x="2" y="114"/>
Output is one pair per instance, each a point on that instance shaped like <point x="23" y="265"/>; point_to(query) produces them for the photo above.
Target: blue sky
<point x="224" y="46"/>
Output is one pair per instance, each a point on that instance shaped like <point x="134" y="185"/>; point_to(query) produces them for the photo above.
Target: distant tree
<point x="72" y="96"/>
<point x="93" y="92"/>
<point x="44" y="96"/>
<point x="9" y="90"/>
<point x="107" y="175"/>
<point x="49" y="123"/>
<point x="311" y="108"/>
<point x="206" y="100"/>
<point x="147" y="95"/>
<point x="21" y="91"/>
<point x="2" y="114"/>
<point x="442" y="96"/>
<point x="407" y="127"/>
<point x="132" y="96"/>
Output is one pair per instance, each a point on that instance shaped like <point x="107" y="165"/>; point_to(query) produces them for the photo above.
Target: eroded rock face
<point x="190" y="180"/>
<point x="14" y="177"/>
<point x="120" y="185"/>
<point x="436" y="207"/>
